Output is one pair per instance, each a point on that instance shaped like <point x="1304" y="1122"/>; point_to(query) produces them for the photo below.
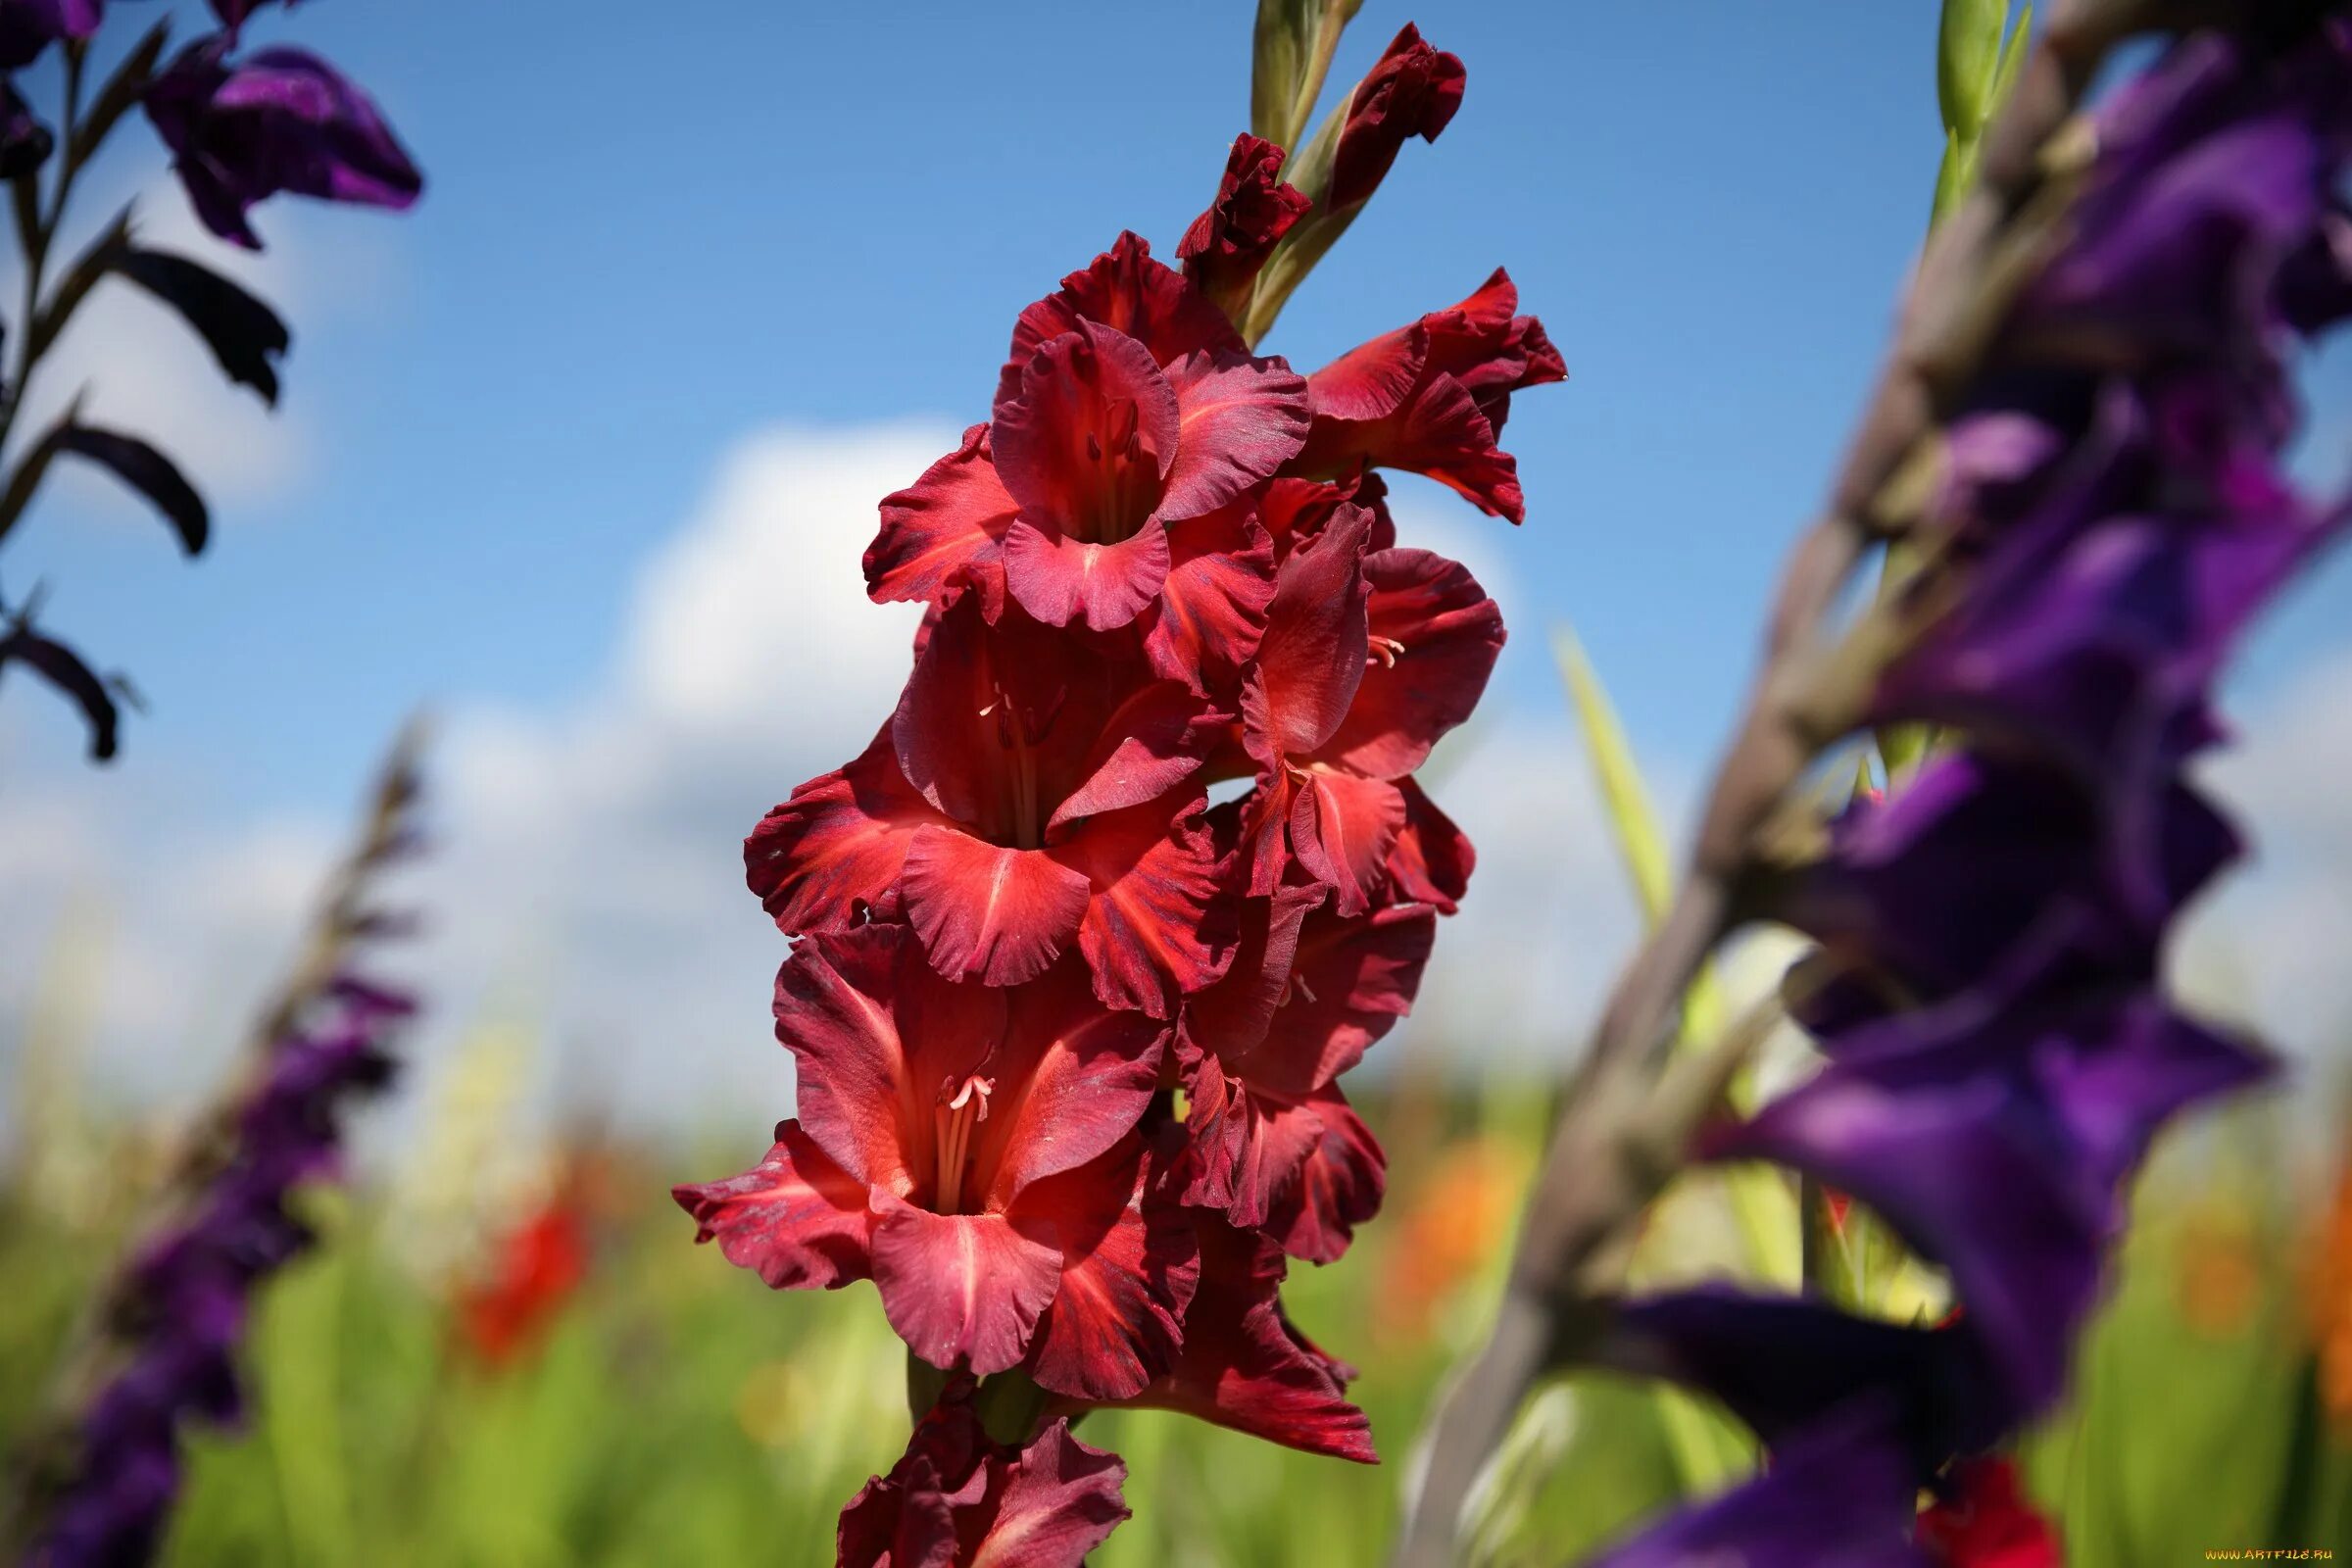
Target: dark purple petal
<point x="281" y="120"/>
<point x="28" y="27"/>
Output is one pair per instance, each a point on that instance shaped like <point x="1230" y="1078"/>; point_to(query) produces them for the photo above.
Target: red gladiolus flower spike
<point x="1163" y="563"/>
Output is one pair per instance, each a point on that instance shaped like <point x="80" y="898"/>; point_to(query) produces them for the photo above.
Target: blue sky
<point x="652" y="234"/>
<point x="643" y="237"/>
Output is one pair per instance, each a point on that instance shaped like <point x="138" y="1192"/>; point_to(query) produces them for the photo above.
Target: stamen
<point x="1386" y="650"/>
<point x="951" y="1124"/>
<point x="1094" y="448"/>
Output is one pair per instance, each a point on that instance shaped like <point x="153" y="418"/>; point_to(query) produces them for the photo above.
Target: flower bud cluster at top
<point x="1068" y="1037"/>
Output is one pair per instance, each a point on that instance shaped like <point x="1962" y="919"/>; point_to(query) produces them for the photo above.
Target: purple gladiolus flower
<point x="281" y="120"/>
<point x="1836" y="1499"/>
<point x="183" y="1302"/>
<point x="28" y="27"/>
<point x="1987" y="991"/>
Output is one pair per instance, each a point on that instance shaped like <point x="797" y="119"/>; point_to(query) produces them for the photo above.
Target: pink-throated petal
<point x="1243" y="1366"/>
<point x="1071" y="1079"/>
<point x="1432" y="859"/>
<point x="1125" y="289"/>
<point x="1311" y="658"/>
<point x="879" y="1040"/>
<point x="1126" y="1279"/>
<point x="1341" y="830"/>
<point x="989" y="912"/>
<point x="1158" y="926"/>
<point x="1238" y="419"/>
<point x="830" y="856"/>
<point x="1335" y="1188"/>
<point x="1084" y="443"/>
<point x="1434" y="636"/>
<point x="961" y="1289"/>
<point x="796" y="1219"/>
<point x="951" y="520"/>
<point x="1152" y="742"/>
<point x="1060" y="579"/>
<point x="1212" y="606"/>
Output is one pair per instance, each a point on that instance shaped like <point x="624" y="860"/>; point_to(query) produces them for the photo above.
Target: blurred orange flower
<point x="1453" y="1225"/>
<point x="2331" y="1302"/>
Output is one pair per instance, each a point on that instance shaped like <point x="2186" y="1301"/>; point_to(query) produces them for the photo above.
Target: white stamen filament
<point x="953" y="1121"/>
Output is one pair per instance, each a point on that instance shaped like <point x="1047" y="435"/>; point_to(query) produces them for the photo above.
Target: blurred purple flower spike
<point x="281" y="120"/>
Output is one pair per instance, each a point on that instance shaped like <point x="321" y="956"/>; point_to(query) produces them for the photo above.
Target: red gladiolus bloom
<point x="1985" y="1521"/>
<point x="1431" y="398"/>
<point x="1367" y="660"/>
<point x="1130" y="406"/>
<point x="533" y="1273"/>
<point x="958" y="1501"/>
<point x="972" y="1151"/>
<point x="1274" y="1144"/>
<point x="1026" y="793"/>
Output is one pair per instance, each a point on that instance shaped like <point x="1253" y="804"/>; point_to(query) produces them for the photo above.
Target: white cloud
<point x="2272" y="947"/>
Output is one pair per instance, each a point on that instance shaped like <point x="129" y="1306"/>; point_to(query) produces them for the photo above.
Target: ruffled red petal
<point x="1335" y="1187"/>
<point x="1158" y="925"/>
<point x="957" y="1499"/>
<point x="950" y="523"/>
<point x="1212" y="606"/>
<point x="1342" y="830"/>
<point x="1311" y="658"/>
<point x="961" y="1290"/>
<point x="1125" y="289"/>
<point x="796" y="1219"/>
<point x="1060" y="579"/>
<point x="1432" y="859"/>
<point x="1243" y="1366"/>
<point x="1434" y="636"/>
<point x="986" y="912"/>
<point x="1127" y="1276"/>
<point x="1240" y="419"/>
<point x="829" y="857"/>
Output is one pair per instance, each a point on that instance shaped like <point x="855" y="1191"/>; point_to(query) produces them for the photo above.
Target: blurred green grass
<point x="675" y="1412"/>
